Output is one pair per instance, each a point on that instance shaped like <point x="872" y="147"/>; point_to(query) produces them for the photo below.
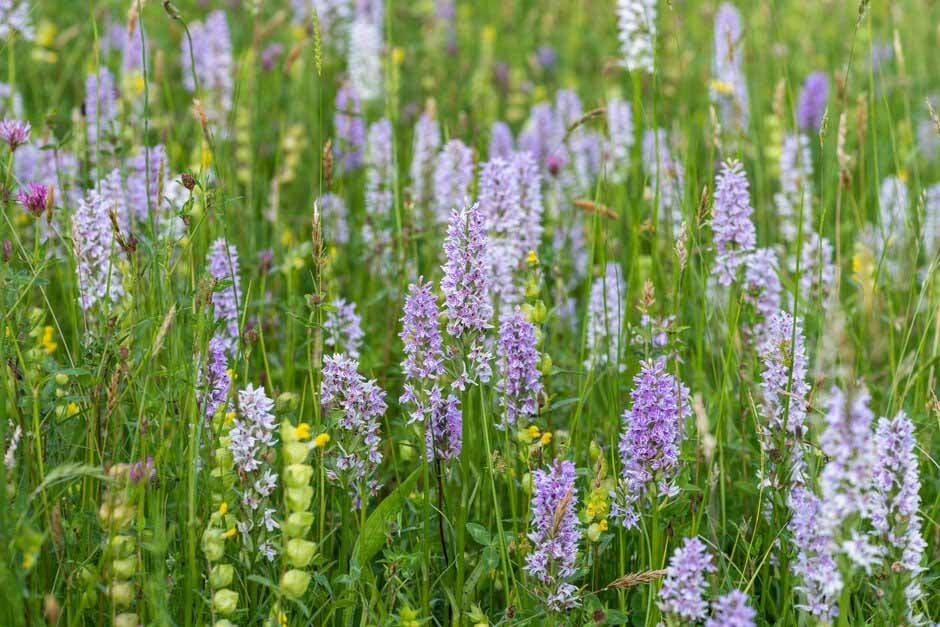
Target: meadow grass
<point x="128" y="502"/>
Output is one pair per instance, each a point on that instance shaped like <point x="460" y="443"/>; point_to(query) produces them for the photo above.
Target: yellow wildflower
<point x="321" y="440"/>
<point x="722" y="87"/>
<point x="532" y="258"/>
<point x="223" y="508"/>
<point x="534" y="432"/>
<point x="546" y="438"/>
<point x="45" y="33"/>
<point x="48" y="343"/>
<point x="71" y="409"/>
<point x="602" y="525"/>
<point x="230" y="533"/>
<point x="303" y="431"/>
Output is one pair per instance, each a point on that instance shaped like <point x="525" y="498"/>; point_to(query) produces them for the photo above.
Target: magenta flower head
<point x="443" y="433"/>
<point x="452" y="178"/>
<point x="734" y="233"/>
<point x="350" y="129"/>
<point x="215" y="380"/>
<point x="732" y="610"/>
<point x="466" y="286"/>
<point x="99" y="278"/>
<point x="100" y="109"/>
<point x="682" y="594"/>
<point x="223" y="266"/>
<point x="357" y="405"/>
<point x="145" y="186"/>
<point x="34" y="198"/>
<point x="605" y="341"/>
<point x="651" y="438"/>
<point x="555" y="533"/>
<point x="14" y="132"/>
<point x="502" y="143"/>
<point x="466" y="283"/>
<point x="253" y="429"/>
<point x="847" y="444"/>
<point x="896" y="505"/>
<point x="813" y="100"/>
<point x="783" y="382"/>
<point x="424" y="356"/>
<point x="517" y="359"/>
<point x="729" y="91"/>
<point x="620" y="140"/>
<point x="819" y="581"/>
<point x="427" y="141"/>
<point x="762" y="288"/>
<point x="343" y="327"/>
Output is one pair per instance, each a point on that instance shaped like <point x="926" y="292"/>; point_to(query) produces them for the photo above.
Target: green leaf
<point x="615" y="617"/>
<point x="479" y="533"/>
<point x="488" y="561"/>
<point x="372" y="538"/>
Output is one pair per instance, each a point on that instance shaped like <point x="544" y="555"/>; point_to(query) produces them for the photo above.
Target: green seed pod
<point x="122" y="546"/>
<point x="295" y="452"/>
<point x="62" y="379"/>
<point x="223" y="458"/>
<point x="594" y="532"/>
<point x="294" y="583"/>
<point x="121" y="593"/>
<point x="297" y="524"/>
<point x="221" y="576"/>
<point x="223" y="623"/>
<point x="595" y="450"/>
<point x="88" y="576"/>
<point x="122" y="515"/>
<point x="288" y="401"/>
<point x="532" y="288"/>
<point x="301" y="552"/>
<point x="298" y="499"/>
<point x="298" y="475"/>
<point x="545" y="364"/>
<point x="288" y="431"/>
<point x="225" y="601"/>
<point x="213" y="544"/>
<point x="127" y="619"/>
<point x="125" y="568"/>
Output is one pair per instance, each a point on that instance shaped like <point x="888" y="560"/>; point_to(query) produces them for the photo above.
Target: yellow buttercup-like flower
<point x="303" y="431"/>
<point x="48" y="342"/>
<point x="534" y="432"/>
<point x="722" y="87"/>
<point x="321" y="440"/>
<point x="223" y="508"/>
<point x="546" y="438"/>
<point x="230" y="533"/>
